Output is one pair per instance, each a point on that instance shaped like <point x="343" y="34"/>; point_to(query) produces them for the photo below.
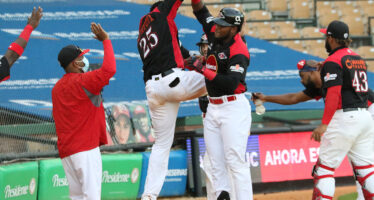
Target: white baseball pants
<point x="163" y="101"/>
<point x="360" y="195"/>
<point x="226" y="131"/>
<point x="83" y="171"/>
<point x="211" y="192"/>
<point x="349" y="133"/>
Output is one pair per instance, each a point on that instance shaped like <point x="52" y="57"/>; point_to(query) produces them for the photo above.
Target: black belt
<point x="352" y="109"/>
<point x="163" y="74"/>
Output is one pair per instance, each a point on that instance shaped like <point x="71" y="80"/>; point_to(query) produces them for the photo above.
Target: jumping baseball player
<point x="16" y="49"/>
<point x="228" y="118"/>
<point x="79" y="116"/>
<point x="347" y="127"/>
<point x="166" y="85"/>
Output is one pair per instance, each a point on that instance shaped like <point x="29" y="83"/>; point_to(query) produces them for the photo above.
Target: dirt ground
<point x="289" y="195"/>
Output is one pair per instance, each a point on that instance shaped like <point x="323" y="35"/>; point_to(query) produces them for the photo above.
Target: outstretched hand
<point x="35" y="17"/>
<point x="99" y="32"/>
<point x="258" y="95"/>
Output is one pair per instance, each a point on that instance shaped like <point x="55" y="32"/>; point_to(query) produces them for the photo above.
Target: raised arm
<point x="95" y="80"/>
<point x="16" y="49"/>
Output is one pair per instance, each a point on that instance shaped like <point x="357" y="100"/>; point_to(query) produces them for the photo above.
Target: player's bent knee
<point x="364" y="175"/>
<point x="324" y="182"/>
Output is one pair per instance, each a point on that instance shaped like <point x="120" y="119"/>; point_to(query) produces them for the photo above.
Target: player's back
<point x="354" y="78"/>
<point x="158" y="42"/>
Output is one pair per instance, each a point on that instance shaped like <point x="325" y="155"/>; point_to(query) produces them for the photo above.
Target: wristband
<point x="195" y="1"/>
<point x="16" y="48"/>
<point x="26" y="32"/>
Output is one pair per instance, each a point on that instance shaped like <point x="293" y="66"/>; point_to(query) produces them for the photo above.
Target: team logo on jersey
<point x="330" y="77"/>
<point x="211" y="63"/>
<point x="237" y="68"/>
<point x="222" y="56"/>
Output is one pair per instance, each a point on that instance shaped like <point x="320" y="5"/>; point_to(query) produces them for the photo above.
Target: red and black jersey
<point x="229" y="61"/>
<point x="370" y="97"/>
<point x="158" y="42"/>
<point x="4" y="69"/>
<point x="344" y="67"/>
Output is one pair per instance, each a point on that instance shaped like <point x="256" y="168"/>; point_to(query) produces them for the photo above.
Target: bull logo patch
<point x="211" y="63"/>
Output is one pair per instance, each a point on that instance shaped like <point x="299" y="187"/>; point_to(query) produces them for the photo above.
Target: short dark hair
<point x="153" y="6"/>
<point x="344" y="42"/>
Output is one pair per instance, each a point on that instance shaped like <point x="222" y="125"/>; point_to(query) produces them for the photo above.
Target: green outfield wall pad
<point x="120" y="179"/>
<point x="121" y="176"/>
<point x="19" y="181"/>
<point x="52" y="180"/>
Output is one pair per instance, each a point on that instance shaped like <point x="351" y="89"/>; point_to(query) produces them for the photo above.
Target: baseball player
<point x="347" y="127"/>
<point x="16" y="49"/>
<point x="228" y="117"/>
<point x="166" y="85"/>
<point x="79" y="116"/>
<point x="206" y="164"/>
<point x="311" y="79"/>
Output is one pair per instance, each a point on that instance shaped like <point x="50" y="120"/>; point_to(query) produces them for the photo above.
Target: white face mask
<point x="86" y="64"/>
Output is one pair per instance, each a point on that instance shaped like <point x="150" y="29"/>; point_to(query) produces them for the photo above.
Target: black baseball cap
<point x="336" y="29"/>
<point x="70" y="53"/>
<point x="203" y="40"/>
<point x="229" y="17"/>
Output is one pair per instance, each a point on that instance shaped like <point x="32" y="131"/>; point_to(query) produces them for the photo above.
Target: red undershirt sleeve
<point x="332" y="99"/>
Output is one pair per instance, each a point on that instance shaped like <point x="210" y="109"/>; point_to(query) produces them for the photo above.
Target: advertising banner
<point x="291" y="156"/>
<point x="252" y="156"/>
<point x="19" y="181"/>
<point x="176" y="178"/>
<point x="121" y="176"/>
<point x="52" y="180"/>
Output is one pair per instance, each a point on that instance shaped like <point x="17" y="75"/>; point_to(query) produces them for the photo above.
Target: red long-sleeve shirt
<point x="78" y="109"/>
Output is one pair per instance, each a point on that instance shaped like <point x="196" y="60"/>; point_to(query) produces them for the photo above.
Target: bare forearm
<point x="285" y="99"/>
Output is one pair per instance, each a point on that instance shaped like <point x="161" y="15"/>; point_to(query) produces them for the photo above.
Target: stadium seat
<point x="259" y="25"/>
<point x="370" y="65"/>
<point x="324" y="5"/>
<point x="310" y="32"/>
<point x="300" y="10"/>
<point x="294" y="44"/>
<point x="310" y="44"/>
<point x="283" y="24"/>
<point x="289" y="33"/>
<point x="318" y="51"/>
<point x="365" y="51"/>
<point x="342" y="4"/>
<point x="276" y="5"/>
<point x="368" y="10"/>
<point x="267" y="33"/>
<point x="350" y="11"/>
<point x="325" y="16"/>
<point x="356" y="25"/>
<point x="372" y="26"/>
<point x="259" y="15"/>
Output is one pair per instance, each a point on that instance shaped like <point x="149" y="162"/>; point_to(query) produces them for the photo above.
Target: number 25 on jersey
<point x="148" y="42"/>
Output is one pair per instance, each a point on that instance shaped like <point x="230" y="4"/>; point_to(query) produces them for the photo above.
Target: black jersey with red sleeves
<point x="344" y="67"/>
<point x="230" y="60"/>
<point x="158" y="42"/>
<point x="4" y="69"/>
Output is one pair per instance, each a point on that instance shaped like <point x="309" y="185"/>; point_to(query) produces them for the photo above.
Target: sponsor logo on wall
<point x="20" y="190"/>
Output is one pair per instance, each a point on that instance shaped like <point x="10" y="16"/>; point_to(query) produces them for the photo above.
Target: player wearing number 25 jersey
<point x="166" y="85"/>
<point x="347" y="126"/>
